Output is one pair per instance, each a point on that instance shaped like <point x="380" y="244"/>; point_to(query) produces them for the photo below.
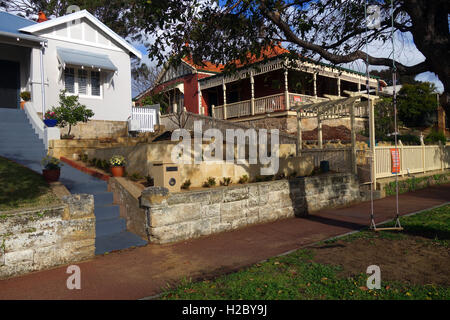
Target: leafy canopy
<point x="70" y="111"/>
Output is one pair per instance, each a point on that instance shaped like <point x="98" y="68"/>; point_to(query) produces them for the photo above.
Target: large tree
<point x="222" y="31"/>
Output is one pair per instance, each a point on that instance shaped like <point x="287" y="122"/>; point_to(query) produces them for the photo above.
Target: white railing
<point x="270" y="104"/>
<point x="239" y="109"/>
<point x="413" y="159"/>
<point x="146" y="117"/>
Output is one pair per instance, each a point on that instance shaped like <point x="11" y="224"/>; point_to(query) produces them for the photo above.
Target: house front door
<point x="9" y="84"/>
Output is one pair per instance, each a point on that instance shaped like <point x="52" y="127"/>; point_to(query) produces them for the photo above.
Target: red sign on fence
<point x="395" y="161"/>
<point x="297" y="99"/>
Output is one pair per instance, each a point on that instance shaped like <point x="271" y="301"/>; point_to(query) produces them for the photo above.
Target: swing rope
<point x="373" y="225"/>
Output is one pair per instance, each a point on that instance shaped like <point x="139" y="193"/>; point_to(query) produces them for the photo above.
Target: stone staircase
<point x="20" y="143"/>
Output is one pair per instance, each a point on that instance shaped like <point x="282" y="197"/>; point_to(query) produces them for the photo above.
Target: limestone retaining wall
<point x="184" y="215"/>
<point x="37" y="239"/>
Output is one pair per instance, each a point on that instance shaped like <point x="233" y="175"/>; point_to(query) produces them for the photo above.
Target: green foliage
<point x="135" y="176"/>
<point x="157" y="98"/>
<point x="384" y="118"/>
<point x="407" y="139"/>
<point x="415" y="183"/>
<point x="25" y="95"/>
<point x="416" y="103"/>
<point x="243" y="179"/>
<point x="51" y="163"/>
<point x="70" y="111"/>
<point x="435" y="136"/>
<point x="210" y="182"/>
<point x="84" y="158"/>
<point x="186" y="185"/>
<point x="226" y="181"/>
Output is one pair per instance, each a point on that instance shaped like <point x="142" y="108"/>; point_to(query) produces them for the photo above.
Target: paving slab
<point x="144" y="271"/>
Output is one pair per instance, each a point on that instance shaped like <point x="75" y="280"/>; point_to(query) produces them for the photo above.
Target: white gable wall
<point x="115" y="101"/>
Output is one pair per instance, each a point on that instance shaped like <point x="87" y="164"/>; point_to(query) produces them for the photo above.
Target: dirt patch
<point x="415" y="260"/>
<point x="332" y="133"/>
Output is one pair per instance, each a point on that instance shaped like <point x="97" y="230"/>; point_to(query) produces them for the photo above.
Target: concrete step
<point x="103" y="198"/>
<point x="106" y="212"/>
<point x="108" y="227"/>
<point x="25" y="141"/>
<point x="118" y="241"/>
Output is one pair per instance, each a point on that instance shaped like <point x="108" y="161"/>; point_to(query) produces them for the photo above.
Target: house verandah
<point x="273" y="87"/>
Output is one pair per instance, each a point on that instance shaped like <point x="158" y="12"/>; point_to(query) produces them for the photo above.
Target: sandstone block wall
<point x="37" y="239"/>
<point x="185" y="215"/>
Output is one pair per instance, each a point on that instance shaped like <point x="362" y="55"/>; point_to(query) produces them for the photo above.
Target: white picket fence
<point x="413" y="159"/>
<point x="147" y="118"/>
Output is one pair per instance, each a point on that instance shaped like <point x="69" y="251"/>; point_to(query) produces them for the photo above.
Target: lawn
<point x="413" y="263"/>
<point x="22" y="188"/>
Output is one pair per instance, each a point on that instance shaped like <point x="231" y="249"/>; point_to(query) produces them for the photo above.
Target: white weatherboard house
<point x="75" y="52"/>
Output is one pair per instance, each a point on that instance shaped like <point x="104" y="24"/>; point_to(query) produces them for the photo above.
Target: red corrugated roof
<point x="208" y="66"/>
<point x="268" y="52"/>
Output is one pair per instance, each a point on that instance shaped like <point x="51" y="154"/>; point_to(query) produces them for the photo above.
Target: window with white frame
<point x="82" y="82"/>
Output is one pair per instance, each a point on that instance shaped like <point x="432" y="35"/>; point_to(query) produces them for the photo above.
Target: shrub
<point x="135" y="176"/>
<point x="210" y="182"/>
<point x="70" y="111"/>
<point x="186" y="184"/>
<point x="84" y="158"/>
<point x="435" y="136"/>
<point x="225" y="181"/>
<point x="243" y="179"/>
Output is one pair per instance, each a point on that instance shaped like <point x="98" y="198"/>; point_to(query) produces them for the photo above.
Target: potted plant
<point x="117" y="164"/>
<point x="26" y="96"/>
<point x="50" y="118"/>
<point x="52" y="168"/>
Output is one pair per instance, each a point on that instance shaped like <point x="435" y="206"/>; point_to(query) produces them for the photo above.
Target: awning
<point x="84" y="59"/>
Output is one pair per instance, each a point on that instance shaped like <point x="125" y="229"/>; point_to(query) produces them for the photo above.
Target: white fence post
<point x="146" y="118"/>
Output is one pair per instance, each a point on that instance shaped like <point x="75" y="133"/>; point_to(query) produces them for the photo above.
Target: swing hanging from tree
<point x="394" y="153"/>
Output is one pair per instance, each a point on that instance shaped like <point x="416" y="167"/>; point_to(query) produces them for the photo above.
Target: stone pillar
<point x="151" y="199"/>
<point x="353" y="137"/>
<point x="319" y="131"/>
<point x="286" y="89"/>
<point x="315" y="84"/>
<point x="299" y="133"/>
<point x="252" y="91"/>
<point x="224" y="88"/>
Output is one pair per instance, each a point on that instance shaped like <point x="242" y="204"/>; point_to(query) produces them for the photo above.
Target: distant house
<point x="75" y="52"/>
<point x="269" y="84"/>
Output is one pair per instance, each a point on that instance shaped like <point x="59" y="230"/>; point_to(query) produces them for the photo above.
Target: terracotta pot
<point x="117" y="171"/>
<point x="22" y="104"/>
<point x="51" y="175"/>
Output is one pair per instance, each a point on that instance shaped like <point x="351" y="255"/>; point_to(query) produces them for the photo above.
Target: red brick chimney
<point x="41" y="17"/>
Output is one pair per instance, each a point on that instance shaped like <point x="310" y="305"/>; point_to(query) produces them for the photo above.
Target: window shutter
<point x="69" y="79"/>
<point x="82" y="81"/>
<point x="95" y="83"/>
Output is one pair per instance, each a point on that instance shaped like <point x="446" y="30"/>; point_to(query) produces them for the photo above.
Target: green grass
<point x="297" y="276"/>
<point x="22" y="188"/>
<point x="415" y="183"/>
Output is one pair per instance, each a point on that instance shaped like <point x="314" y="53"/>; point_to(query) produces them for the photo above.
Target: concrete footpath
<point x="142" y="272"/>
